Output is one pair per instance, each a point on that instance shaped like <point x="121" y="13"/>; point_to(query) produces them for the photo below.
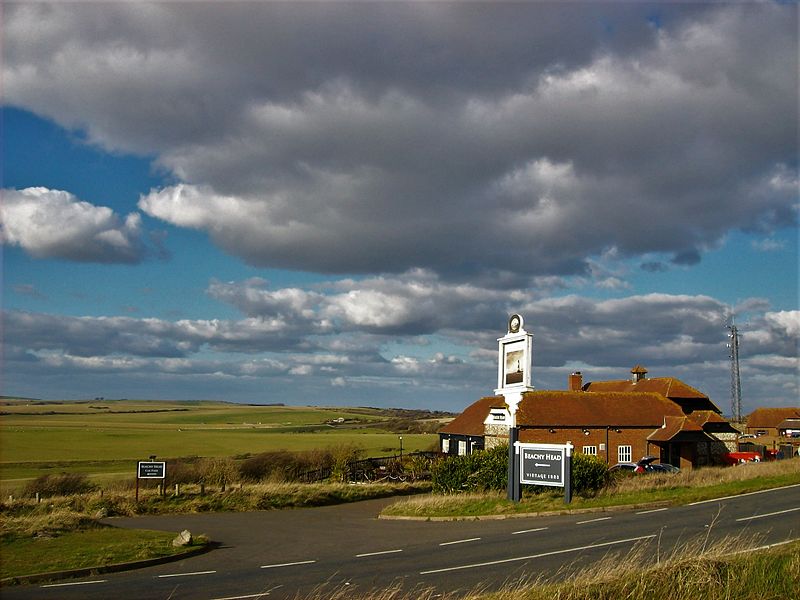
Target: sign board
<point x="151" y="470"/>
<point x="544" y="464"/>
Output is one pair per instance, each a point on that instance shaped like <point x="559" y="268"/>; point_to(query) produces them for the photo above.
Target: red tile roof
<point x="571" y="409"/>
<point x="594" y="409"/>
<point x="666" y="386"/>
<point x="470" y="422"/>
<point x="675" y="427"/>
<point x="771" y="417"/>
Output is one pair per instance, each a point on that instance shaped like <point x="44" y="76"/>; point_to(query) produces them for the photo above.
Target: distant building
<point x="768" y="421"/>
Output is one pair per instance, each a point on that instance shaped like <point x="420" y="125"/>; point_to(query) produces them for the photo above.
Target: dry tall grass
<point x="729" y="569"/>
<point x="704" y="477"/>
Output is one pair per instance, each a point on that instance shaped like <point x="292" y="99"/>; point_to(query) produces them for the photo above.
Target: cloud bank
<point x="472" y="140"/>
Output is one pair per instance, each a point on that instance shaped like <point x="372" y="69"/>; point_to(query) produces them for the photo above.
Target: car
<point x="663" y="468"/>
<point x="627" y="467"/>
<point x="645" y="465"/>
<point x="738" y="458"/>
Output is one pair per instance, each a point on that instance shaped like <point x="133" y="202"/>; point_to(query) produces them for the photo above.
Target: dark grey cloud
<point x="474" y="140"/>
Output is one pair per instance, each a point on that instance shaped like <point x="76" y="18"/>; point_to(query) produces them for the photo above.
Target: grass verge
<point x="682" y="488"/>
<point x="95" y="547"/>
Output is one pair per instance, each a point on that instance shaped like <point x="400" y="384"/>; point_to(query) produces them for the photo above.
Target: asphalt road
<point x="276" y="554"/>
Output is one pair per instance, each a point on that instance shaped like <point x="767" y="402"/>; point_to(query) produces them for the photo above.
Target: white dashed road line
<point x="291" y="564"/>
<point x="772" y="514"/>
<point x="186" y="574"/>
<point x="647" y="512"/>
<point x="459" y="542"/>
<point x="377" y="553"/>
<point x="593" y="520"/>
<point x="532" y="556"/>
<point x="51" y="585"/>
<point x="528" y="530"/>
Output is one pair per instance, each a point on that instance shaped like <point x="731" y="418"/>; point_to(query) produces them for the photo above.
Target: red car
<point x="738" y="458"/>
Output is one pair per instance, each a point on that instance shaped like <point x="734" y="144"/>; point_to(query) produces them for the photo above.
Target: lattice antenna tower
<point x="736" y="381"/>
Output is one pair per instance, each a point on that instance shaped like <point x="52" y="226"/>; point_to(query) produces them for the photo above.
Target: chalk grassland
<point x="108" y="437"/>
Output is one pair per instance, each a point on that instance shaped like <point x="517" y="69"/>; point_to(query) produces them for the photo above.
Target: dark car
<point x="644" y="465"/>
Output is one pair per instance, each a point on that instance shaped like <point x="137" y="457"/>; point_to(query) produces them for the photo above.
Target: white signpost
<point x="546" y="464"/>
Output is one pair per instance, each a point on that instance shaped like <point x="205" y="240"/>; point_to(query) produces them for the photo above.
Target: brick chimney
<point x="576" y="382"/>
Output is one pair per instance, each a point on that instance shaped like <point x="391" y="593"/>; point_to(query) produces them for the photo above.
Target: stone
<point x="184" y="538"/>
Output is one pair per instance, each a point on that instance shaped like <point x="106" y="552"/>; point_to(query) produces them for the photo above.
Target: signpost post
<point x="546" y="464"/>
<point x="151" y="469"/>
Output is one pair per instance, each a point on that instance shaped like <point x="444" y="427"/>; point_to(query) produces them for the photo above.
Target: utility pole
<point x="736" y="382"/>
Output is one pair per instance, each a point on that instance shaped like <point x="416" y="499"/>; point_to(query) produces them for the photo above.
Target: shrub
<point x="488" y="470"/>
<point x="589" y="474"/>
<point x="64" y="484"/>
<point x="480" y="471"/>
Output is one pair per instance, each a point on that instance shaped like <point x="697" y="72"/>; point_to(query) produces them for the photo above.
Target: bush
<point x="64" y="484"/>
<point x="589" y="474"/>
<point x="480" y="471"/>
<point x="488" y="470"/>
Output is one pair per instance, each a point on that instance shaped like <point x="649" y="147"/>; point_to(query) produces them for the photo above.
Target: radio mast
<point x="736" y="382"/>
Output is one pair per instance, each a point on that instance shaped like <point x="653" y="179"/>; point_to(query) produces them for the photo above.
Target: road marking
<point x="261" y="595"/>
<point x="291" y="564"/>
<point x="647" y="512"/>
<point x="528" y="530"/>
<point x="772" y="514"/>
<point x="767" y="547"/>
<point x="532" y="556"/>
<point x="377" y="553"/>
<point x="593" y="520"/>
<point x="49" y="585"/>
<point x="186" y="574"/>
<point x="459" y="542"/>
<point x="747" y="494"/>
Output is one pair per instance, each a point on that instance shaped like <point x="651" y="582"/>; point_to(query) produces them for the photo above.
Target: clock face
<point x="514" y="323"/>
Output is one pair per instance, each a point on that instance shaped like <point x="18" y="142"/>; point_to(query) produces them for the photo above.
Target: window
<point x="624" y="454"/>
<point x="446" y="446"/>
<point x="462" y="447"/>
<point x="498" y="416"/>
<point x="591" y="450"/>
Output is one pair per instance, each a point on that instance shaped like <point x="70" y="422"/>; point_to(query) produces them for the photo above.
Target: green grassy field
<point x="106" y="438"/>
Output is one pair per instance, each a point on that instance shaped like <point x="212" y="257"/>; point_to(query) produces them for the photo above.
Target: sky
<point x="341" y="203"/>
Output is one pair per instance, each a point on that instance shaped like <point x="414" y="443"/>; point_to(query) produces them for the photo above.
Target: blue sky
<point x="347" y="214"/>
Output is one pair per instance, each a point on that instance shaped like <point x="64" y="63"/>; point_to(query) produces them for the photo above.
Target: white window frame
<point x="462" y="447"/>
<point x="446" y="446"/>
<point x="624" y="453"/>
<point x="590" y="450"/>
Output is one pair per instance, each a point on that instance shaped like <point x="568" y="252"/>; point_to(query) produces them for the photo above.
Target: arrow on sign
<point x="541" y="464"/>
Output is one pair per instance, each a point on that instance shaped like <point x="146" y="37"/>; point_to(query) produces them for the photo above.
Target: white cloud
<point x="55" y="224"/>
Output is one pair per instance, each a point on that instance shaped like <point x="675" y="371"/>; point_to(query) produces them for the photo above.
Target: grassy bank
<point x="682" y="488"/>
<point x="52" y="538"/>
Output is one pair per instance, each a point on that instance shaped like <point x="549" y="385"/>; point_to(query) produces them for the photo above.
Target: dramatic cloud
<point x="368" y="338"/>
<point x="481" y="141"/>
<point x="55" y="224"/>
